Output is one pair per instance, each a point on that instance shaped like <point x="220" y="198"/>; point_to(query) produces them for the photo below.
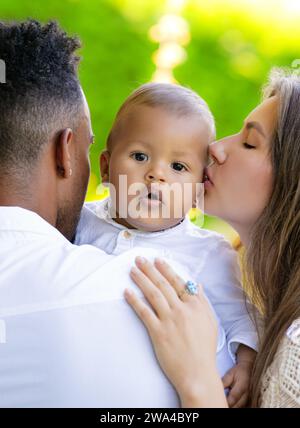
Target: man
<point x="67" y="336"/>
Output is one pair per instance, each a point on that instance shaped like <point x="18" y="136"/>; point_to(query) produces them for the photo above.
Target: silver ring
<point x="190" y="288"/>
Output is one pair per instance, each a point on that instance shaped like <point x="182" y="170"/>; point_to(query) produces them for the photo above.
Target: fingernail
<point x="140" y="260"/>
<point x="134" y="270"/>
<point x="128" y="292"/>
<point x="159" y="261"/>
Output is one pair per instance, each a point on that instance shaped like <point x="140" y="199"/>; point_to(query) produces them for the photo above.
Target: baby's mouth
<point x="155" y="196"/>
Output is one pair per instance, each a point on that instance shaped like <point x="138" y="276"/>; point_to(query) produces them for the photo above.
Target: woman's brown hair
<point x="273" y="257"/>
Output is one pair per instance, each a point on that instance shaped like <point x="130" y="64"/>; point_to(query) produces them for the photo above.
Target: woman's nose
<point x="217" y="152"/>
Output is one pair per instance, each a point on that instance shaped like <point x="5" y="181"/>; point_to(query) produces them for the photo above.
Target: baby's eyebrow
<point x="143" y="143"/>
<point x="181" y="153"/>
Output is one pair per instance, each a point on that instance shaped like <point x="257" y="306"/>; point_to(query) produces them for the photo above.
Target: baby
<point x="154" y="161"/>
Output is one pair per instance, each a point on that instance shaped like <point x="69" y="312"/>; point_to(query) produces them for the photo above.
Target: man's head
<point x="45" y="129"/>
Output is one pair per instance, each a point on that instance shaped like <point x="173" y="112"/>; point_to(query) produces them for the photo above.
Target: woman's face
<point x="240" y="179"/>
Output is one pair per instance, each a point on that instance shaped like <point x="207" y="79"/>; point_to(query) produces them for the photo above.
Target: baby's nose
<point x="155" y="175"/>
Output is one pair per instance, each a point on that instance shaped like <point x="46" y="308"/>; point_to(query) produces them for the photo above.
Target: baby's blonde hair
<point x="176" y="99"/>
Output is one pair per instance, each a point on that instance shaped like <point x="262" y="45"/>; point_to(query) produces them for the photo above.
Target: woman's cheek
<point x="266" y="187"/>
<point x="259" y="190"/>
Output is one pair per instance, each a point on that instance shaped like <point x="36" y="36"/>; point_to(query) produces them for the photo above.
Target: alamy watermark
<point x="153" y="201"/>
<point x="2" y="71"/>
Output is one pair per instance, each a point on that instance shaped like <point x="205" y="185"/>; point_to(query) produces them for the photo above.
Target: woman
<point x="254" y="185"/>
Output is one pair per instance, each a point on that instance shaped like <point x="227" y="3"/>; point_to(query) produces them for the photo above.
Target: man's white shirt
<point x="67" y="336"/>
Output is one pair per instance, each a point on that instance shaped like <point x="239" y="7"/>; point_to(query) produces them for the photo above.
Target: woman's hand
<point x="183" y="331"/>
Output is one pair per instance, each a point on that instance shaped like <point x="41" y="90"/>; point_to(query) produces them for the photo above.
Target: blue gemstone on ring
<point x="191" y="288"/>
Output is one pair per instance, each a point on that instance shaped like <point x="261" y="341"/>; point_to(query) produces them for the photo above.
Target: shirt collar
<point x="16" y="219"/>
<point x="104" y="210"/>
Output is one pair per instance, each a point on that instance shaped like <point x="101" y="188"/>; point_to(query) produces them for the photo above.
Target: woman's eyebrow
<point x="257" y="126"/>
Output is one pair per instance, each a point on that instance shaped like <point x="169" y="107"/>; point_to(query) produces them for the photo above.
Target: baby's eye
<point x="177" y="166"/>
<point x="139" y="157"/>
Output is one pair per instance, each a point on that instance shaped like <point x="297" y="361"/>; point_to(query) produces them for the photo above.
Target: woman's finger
<point x="153" y="294"/>
<point x="146" y="315"/>
<point x="157" y="279"/>
<point x="172" y="277"/>
<point x="176" y="281"/>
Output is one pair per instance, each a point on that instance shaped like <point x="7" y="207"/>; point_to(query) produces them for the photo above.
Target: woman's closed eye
<point x="179" y="167"/>
<point x="139" y="156"/>
<point x="249" y="146"/>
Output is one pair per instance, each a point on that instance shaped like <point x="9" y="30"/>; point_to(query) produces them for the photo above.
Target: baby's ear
<point x="104" y="166"/>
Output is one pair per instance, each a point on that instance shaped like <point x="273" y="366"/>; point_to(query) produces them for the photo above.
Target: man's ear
<point x="104" y="166"/>
<point x="63" y="153"/>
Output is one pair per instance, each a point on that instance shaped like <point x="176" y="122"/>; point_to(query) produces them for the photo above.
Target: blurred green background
<point x="227" y="49"/>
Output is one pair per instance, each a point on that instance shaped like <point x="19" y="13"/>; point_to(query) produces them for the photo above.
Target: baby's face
<point x="162" y="157"/>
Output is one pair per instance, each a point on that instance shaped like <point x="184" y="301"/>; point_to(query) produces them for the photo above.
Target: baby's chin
<point x="153" y="224"/>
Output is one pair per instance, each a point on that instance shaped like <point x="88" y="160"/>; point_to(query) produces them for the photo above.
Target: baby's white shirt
<point x="207" y="256"/>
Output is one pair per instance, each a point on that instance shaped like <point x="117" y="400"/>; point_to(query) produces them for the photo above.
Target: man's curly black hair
<point x="42" y="93"/>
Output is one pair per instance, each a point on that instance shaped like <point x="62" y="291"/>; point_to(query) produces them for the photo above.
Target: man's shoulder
<point x="56" y="275"/>
<point x="41" y="271"/>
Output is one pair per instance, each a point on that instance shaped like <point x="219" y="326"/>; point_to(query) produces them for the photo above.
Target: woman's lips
<point x="207" y="179"/>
